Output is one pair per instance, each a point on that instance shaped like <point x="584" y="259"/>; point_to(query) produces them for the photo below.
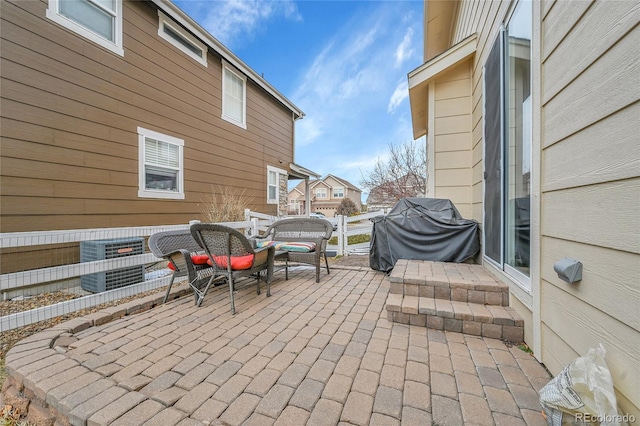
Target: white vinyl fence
<point x="353" y="225"/>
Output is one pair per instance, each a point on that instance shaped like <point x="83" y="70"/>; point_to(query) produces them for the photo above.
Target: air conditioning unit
<point x="111" y="249"/>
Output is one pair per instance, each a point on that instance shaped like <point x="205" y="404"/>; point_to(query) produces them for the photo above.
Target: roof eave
<point x="420" y="78"/>
<point x="299" y="172"/>
<point x="180" y="16"/>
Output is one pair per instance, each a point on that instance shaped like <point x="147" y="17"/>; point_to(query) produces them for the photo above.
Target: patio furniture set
<point x="210" y="254"/>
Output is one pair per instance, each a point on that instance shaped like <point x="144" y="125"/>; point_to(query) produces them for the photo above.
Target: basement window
<point x="181" y="39"/>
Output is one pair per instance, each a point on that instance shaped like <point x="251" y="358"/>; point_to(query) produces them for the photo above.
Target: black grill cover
<point x="422" y="229"/>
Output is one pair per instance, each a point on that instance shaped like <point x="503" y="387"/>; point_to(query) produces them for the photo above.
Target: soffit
<point x="439" y="19"/>
<point x="420" y="77"/>
<point x="299" y="172"/>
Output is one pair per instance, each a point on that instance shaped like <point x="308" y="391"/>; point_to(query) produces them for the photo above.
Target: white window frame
<point x="165" y="22"/>
<point x="228" y="68"/>
<point x="294" y="205"/>
<point x="115" y="46"/>
<point x="324" y="192"/>
<point x="338" y="190"/>
<point x="143" y="192"/>
<point x="277" y="172"/>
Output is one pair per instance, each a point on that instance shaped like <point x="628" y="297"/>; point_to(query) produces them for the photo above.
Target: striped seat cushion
<point x="289" y="246"/>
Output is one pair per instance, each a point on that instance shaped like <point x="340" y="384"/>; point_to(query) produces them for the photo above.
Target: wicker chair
<point x="301" y="230"/>
<point x="226" y="245"/>
<point x="178" y="247"/>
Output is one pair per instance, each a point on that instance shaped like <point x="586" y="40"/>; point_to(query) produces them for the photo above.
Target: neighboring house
<point x="531" y="112"/>
<point x="386" y="195"/>
<point x="326" y="195"/>
<point x="127" y="113"/>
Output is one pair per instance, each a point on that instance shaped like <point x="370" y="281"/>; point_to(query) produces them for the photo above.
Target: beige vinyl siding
<point x="70" y="112"/>
<point x="589" y="158"/>
<point x="485" y="21"/>
<point x="452" y="137"/>
<point x="591" y="187"/>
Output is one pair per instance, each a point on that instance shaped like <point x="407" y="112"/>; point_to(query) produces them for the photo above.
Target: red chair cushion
<point x="237" y="262"/>
<point x="197" y="259"/>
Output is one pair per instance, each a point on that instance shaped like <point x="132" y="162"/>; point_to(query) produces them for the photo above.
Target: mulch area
<point x="361" y="261"/>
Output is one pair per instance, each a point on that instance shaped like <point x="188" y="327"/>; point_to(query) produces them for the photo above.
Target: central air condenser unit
<point x="111" y="249"/>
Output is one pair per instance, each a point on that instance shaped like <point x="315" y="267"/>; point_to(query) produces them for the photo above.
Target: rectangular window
<point x="161" y="165"/>
<point x="182" y="39"/>
<point x="321" y="192"/>
<point x="273" y="184"/>
<point x="98" y="20"/>
<point x="507" y="157"/>
<point x="234" y="95"/>
<point x="338" y="192"/>
<point x="272" y="187"/>
<point x="294" y="207"/>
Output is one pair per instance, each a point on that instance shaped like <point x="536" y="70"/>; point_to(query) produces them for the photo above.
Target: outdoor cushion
<point x="237" y="262"/>
<point x="196" y="259"/>
<point x="289" y="246"/>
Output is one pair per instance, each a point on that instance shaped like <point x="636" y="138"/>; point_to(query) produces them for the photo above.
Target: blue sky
<point x="344" y="63"/>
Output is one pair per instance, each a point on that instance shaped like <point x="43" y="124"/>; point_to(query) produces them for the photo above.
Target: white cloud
<point x="235" y="21"/>
<point x="400" y="94"/>
<point x="308" y="130"/>
<point x="404" y="51"/>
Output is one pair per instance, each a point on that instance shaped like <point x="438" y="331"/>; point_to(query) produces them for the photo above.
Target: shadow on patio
<point x="310" y="354"/>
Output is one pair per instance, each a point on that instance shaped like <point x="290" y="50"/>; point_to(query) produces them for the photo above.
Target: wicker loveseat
<point x="300" y="230"/>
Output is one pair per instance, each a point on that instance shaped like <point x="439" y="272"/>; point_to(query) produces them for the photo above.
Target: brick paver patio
<point x="318" y="354"/>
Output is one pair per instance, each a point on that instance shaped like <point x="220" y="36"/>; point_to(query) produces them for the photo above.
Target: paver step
<point x="460" y="282"/>
<point x="495" y="321"/>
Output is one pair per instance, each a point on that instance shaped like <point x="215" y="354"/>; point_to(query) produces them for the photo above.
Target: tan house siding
<point x="452" y="138"/>
<point x="591" y="187"/>
<point x="70" y="112"/>
<point x="586" y="175"/>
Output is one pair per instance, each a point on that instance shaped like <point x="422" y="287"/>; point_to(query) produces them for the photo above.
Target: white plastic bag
<point x="582" y="393"/>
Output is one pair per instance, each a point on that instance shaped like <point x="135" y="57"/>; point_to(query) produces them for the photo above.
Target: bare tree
<point x="404" y="174"/>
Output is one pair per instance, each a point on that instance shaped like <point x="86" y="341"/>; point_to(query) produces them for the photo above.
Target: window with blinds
<point x="233" y="96"/>
<point x="161" y="171"/>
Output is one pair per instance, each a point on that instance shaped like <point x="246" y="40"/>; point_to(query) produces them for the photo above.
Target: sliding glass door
<point x="507" y="137"/>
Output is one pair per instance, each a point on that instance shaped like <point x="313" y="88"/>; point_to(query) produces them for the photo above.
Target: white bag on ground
<point x="582" y="393"/>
